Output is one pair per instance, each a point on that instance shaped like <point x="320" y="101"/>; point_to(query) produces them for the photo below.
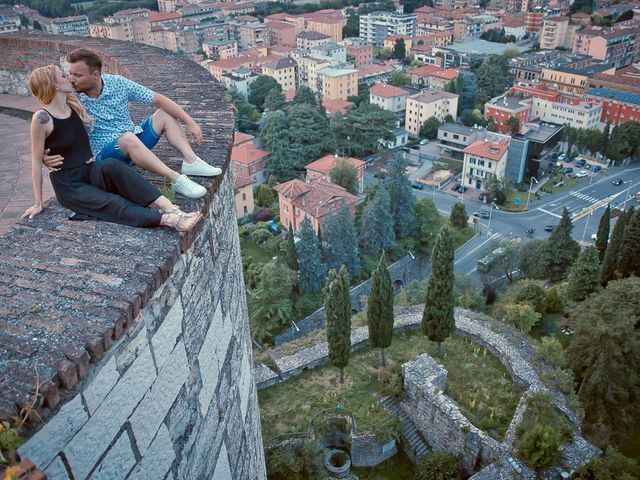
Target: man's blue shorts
<point x="149" y="137"/>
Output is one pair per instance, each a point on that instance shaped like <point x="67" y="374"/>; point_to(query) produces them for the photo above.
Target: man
<point x="113" y="134"/>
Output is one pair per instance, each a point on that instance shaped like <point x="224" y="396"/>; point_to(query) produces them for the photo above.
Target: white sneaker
<point x="188" y="188"/>
<point x="200" y="168"/>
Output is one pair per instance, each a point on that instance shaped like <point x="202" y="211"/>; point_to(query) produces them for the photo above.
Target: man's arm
<point x="176" y="111"/>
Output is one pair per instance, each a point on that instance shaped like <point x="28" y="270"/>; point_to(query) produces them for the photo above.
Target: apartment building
<point x="250" y="162"/>
<point x="483" y="160"/>
<point x="625" y="79"/>
<point x="248" y="32"/>
<point x="240" y="79"/>
<point x="617" y="107"/>
<point x="76" y="25"/>
<point x="308" y="68"/>
<point x="282" y="33"/>
<point x="220" y="49"/>
<point x="427" y="104"/>
<point x="330" y="25"/>
<point x="533" y="21"/>
<point x="130" y="25"/>
<point x="375" y="27"/>
<point x="321" y="169"/>
<point x="308" y="40"/>
<point x="330" y="50"/>
<point x="557" y="32"/>
<point x="375" y="73"/>
<point x="388" y="97"/>
<point x="283" y="70"/>
<point x="338" y="83"/>
<point x="243" y="195"/>
<point x="618" y="46"/>
<point x="358" y="51"/>
<point x="570" y="80"/>
<point x="573" y="112"/>
<point x="500" y="109"/>
<point x="390" y="42"/>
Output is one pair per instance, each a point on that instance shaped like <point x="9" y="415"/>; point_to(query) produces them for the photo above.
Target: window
<point x="245" y="209"/>
<point x="244" y="197"/>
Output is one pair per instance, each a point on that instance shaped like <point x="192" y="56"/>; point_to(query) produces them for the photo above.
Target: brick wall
<point x="139" y="337"/>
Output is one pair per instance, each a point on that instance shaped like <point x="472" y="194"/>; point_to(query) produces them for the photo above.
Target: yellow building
<point x="339" y="83"/>
<point x="308" y="68"/>
<point x="283" y="70"/>
<point x="243" y="195"/>
<point x="427" y="104"/>
<point x="390" y="42"/>
<point x="557" y="32"/>
<point x="330" y="26"/>
<point x="113" y="31"/>
<point x="567" y="80"/>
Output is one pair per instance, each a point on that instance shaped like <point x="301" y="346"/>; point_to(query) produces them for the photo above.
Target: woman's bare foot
<point x="180" y="221"/>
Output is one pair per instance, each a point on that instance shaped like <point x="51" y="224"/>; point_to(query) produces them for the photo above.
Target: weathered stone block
<point x="118" y="461"/>
<point x="101" y="385"/>
<point x="158" y="459"/>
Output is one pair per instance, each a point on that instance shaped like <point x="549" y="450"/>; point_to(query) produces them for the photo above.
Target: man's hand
<point x="195" y="132"/>
<point x="52" y="162"/>
<point x="32" y="211"/>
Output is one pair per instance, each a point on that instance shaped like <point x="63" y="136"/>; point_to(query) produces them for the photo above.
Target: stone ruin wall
<point x="141" y="339"/>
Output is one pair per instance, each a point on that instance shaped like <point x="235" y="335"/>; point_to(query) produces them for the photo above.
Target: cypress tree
<point x="292" y="256"/>
<point x="603" y="233"/>
<point x="584" y="278"/>
<point x="341" y="237"/>
<point x="401" y="196"/>
<point x="380" y="308"/>
<point x="437" y="320"/>
<point x="610" y="260"/>
<point x="630" y="252"/>
<point x="560" y="250"/>
<point x="376" y="228"/>
<point x="312" y="270"/>
<point x="337" y="303"/>
<point x="459" y="216"/>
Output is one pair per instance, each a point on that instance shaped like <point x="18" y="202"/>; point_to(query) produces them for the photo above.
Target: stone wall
<point x="366" y="451"/>
<point x="408" y="269"/>
<point x="139" y="337"/>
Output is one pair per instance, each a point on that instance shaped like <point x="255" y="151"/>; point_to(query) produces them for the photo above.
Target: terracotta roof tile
<point x="240" y="181"/>
<point x="326" y="163"/>
<point x="386" y="90"/>
<point x="491" y="150"/>
<point x="247" y="154"/>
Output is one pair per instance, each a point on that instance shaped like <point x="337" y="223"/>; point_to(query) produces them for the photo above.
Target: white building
<point x="430" y="103"/>
<point x="377" y="26"/>
<point x="483" y="160"/>
<point x="77" y="25"/>
<point x="577" y="115"/>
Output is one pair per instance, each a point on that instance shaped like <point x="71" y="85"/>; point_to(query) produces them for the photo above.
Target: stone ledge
<point x="69" y="289"/>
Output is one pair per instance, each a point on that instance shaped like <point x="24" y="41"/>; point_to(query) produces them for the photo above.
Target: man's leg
<point x="164" y="123"/>
<point x="132" y="147"/>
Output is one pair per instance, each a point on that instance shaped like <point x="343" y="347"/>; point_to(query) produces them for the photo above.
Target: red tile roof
<point x="447" y="74"/>
<point x="240" y="138"/>
<point x="240" y="181"/>
<point x="318" y="199"/>
<point x="326" y="163"/>
<point x="387" y="91"/>
<point x="163" y="16"/>
<point x="424" y="71"/>
<point x="491" y="150"/>
<point x="247" y="154"/>
<point x="334" y="106"/>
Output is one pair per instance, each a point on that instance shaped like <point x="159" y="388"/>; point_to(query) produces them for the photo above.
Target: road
<point x="585" y="202"/>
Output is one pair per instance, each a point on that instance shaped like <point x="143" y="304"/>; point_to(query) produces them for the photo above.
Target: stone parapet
<point x="137" y="339"/>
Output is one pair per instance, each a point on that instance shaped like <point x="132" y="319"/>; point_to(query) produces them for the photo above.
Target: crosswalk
<point x="584" y="197"/>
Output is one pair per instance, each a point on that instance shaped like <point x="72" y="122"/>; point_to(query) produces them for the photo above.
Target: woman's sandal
<point x="184" y="221"/>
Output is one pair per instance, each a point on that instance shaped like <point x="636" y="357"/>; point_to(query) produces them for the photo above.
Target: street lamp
<point x="533" y="179"/>
<point x="490" y="215"/>
<point x="626" y="197"/>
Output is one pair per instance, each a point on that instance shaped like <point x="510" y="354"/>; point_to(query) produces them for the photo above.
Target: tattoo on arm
<point x="43" y="117"/>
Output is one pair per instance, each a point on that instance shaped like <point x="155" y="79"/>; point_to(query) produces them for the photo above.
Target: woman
<point x="109" y="191"/>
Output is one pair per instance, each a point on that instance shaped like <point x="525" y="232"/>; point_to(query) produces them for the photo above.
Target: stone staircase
<point x="413" y="443"/>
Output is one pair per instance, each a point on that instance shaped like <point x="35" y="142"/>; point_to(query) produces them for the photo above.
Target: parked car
<point x="481" y="197"/>
<point x="481" y="214"/>
<point x="415" y="147"/>
<point x="587" y="166"/>
<point x="562" y="157"/>
<point x="581" y="174"/>
<point x="456" y="187"/>
<point x="417" y="186"/>
<point x="596" y="168"/>
<point x="617" y="182"/>
<point x="462" y="189"/>
<point x="594" y="236"/>
<point x="566" y="170"/>
<point x="581" y="162"/>
<point x="424" y="141"/>
<point x="549" y="228"/>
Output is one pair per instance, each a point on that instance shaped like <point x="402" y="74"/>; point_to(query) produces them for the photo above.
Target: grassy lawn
<point x="549" y="186"/>
<point x="446" y="163"/>
<point x="462" y="236"/>
<point x="476" y="380"/>
<point x="252" y="249"/>
<point x="396" y="468"/>
<point x="550" y="327"/>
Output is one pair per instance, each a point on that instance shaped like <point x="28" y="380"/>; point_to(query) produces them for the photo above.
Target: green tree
<point x="304" y="95"/>
<point x="560" y="250"/>
<point x="399" y="49"/>
<point x="530" y="292"/>
<point x="337" y="304"/>
<point x="468" y="293"/>
<point x="552" y="301"/>
<point x="513" y="123"/>
<point x="339" y="234"/>
<point x="274" y="138"/>
<point x="292" y="255"/>
<point x="264" y="195"/>
<point x="309" y="133"/>
<point x="399" y="79"/>
<point x="540" y="446"/>
<point x="359" y="130"/>
<point x="630" y="251"/>
<point x="449" y="119"/>
<point x="260" y="88"/>
<point x="612" y="254"/>
<point x="346" y="175"/>
<point x="624" y="141"/>
<point x="274" y="100"/>
<point x="471" y="118"/>
<point x="312" y="270"/>
<point x="428" y="222"/>
<point x="493" y="77"/>
<point x="247" y="115"/>
<point x="437" y="465"/>
<point x="604" y="355"/>
<point x="584" y="276"/>
<point x="437" y="319"/>
<point x="459" y="216"/>
<point x="602" y="238"/>
<point x="520" y="315"/>
<point x="530" y="262"/>
<point x="380" y="308"/>
<point x="376" y="227"/>
<point x="429" y="128"/>
<point x="613" y="465"/>
<point x="401" y="197"/>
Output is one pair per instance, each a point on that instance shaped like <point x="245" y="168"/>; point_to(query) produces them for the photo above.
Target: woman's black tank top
<point x="69" y="139"/>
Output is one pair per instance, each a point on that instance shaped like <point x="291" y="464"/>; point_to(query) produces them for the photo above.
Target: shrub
<point x="390" y="383"/>
<point x="295" y="460"/>
<point x="552" y="301"/>
<point x="438" y="466"/>
<point x="530" y="292"/>
<point x="539" y="446"/>
<point x="611" y="465"/>
<point x="260" y="235"/>
<point x="262" y="215"/>
<point x="552" y="351"/>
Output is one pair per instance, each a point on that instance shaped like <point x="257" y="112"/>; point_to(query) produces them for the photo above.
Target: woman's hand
<point x="32" y="211"/>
